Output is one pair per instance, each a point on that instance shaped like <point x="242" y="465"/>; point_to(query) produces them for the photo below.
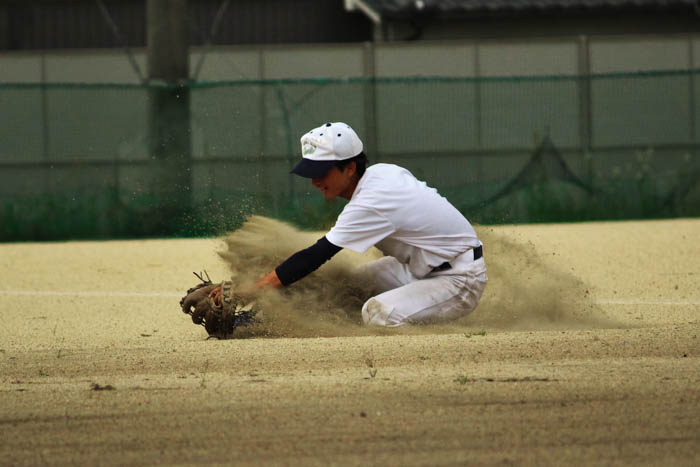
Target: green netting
<point x="83" y="161"/>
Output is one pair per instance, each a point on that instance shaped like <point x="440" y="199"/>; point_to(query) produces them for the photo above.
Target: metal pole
<point x="370" y="103"/>
<point x="691" y="88"/>
<point x="585" y="118"/>
<point x="45" y="127"/>
<point x="170" y="142"/>
<point x="477" y="96"/>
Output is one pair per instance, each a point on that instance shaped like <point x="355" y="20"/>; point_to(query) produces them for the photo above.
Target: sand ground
<point x="99" y="366"/>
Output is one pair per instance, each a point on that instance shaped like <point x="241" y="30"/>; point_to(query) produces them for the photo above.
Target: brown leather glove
<point x="219" y="317"/>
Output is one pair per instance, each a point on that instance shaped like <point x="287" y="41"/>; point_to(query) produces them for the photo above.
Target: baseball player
<point x="433" y="269"/>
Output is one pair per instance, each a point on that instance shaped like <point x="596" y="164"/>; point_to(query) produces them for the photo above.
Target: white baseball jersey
<point x="404" y="218"/>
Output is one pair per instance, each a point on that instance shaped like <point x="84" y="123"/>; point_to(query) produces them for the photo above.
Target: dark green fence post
<point x="170" y="143"/>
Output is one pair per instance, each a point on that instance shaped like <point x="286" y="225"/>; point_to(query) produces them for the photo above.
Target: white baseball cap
<point x="323" y="147"/>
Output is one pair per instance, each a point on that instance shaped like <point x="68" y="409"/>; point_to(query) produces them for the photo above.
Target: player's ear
<point x="351" y="168"/>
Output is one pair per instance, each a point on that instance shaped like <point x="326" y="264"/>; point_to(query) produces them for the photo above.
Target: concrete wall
<point x="564" y="56"/>
<point x="468" y="133"/>
<point x="670" y="121"/>
<point x="492" y="114"/>
<point x="499" y="116"/>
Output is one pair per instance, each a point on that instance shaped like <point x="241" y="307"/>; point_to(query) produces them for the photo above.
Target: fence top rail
<point x="352" y="80"/>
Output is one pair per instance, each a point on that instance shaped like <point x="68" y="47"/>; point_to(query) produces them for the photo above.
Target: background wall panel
<point x="619" y="54"/>
<point x="556" y="57"/>
<point x="428" y="59"/>
<point x="111" y="66"/>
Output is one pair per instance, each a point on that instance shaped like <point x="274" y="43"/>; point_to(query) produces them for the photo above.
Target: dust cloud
<point x="523" y="292"/>
<point x="326" y="303"/>
<point x="526" y="292"/>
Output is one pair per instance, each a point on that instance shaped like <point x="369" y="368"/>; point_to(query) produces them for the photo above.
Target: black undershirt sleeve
<point x="304" y="262"/>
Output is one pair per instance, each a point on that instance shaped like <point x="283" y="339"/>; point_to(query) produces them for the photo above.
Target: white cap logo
<point x="307" y="148"/>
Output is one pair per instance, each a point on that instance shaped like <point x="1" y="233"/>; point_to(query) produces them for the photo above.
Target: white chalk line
<point x="69" y="293"/>
<point x="648" y="302"/>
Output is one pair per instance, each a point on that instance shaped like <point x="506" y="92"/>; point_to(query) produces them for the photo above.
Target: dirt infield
<point x="585" y="351"/>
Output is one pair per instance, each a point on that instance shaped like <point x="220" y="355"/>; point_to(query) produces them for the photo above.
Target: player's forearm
<point x="304" y="262"/>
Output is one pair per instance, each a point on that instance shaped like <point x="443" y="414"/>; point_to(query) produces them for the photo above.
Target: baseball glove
<point x="219" y="319"/>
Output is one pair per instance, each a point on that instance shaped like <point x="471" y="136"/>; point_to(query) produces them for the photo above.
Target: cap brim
<point x="312" y="169"/>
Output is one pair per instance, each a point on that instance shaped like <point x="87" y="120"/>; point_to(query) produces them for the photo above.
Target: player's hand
<point x="215" y="294"/>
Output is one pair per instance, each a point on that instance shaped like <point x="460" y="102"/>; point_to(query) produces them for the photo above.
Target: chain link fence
<point x="80" y="161"/>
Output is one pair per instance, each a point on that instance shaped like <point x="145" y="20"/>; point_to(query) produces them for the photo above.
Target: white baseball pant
<point x="438" y="297"/>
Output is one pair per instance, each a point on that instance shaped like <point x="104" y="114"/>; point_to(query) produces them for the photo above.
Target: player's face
<point x="336" y="182"/>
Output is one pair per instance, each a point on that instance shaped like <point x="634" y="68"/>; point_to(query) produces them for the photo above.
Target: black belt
<point x="478" y="253"/>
